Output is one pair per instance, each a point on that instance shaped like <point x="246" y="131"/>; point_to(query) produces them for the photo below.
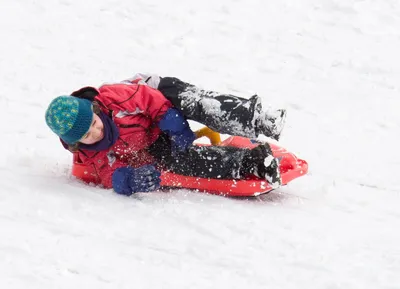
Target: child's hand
<point x="180" y="142"/>
<point x="128" y="180"/>
<point x="176" y="126"/>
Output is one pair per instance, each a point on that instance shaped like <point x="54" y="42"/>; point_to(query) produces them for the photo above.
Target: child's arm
<point x="124" y="179"/>
<point x="132" y="99"/>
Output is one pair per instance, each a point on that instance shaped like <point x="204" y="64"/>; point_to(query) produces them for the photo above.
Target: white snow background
<point x="334" y="64"/>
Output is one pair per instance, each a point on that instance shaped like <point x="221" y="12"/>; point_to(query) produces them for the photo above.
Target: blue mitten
<point x="176" y="126"/>
<point x="128" y="180"/>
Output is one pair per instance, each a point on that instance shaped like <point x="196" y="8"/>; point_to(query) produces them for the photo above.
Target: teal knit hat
<point x="69" y="117"/>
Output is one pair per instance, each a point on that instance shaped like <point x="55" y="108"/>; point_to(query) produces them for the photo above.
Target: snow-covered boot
<point x="261" y="163"/>
<point x="271" y="123"/>
<point x="223" y="113"/>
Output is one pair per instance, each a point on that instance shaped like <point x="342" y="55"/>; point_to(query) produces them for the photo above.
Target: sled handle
<point x="213" y="136"/>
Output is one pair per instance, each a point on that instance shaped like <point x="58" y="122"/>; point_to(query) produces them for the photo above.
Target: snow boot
<point x="271" y="123"/>
<point x="261" y="163"/>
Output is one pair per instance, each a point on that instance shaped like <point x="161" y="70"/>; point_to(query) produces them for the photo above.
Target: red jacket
<point x="136" y="110"/>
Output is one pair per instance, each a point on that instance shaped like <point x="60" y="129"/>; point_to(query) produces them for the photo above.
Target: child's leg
<point x="201" y="161"/>
<point x="219" y="162"/>
<point x="223" y="113"/>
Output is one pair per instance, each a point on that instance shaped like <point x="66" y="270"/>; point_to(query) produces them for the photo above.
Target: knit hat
<point x="69" y="117"/>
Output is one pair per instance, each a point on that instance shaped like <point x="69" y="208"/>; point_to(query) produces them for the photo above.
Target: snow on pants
<point x="203" y="161"/>
<point x="224" y="113"/>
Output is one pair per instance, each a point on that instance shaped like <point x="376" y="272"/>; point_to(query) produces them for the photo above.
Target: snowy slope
<point x="334" y="64"/>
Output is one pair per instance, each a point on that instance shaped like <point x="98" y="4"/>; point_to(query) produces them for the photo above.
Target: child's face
<point x="95" y="133"/>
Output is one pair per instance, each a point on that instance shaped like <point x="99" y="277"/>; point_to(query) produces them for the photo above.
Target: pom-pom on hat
<point x="69" y="117"/>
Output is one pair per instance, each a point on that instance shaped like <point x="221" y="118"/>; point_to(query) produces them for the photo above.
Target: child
<point x="128" y="131"/>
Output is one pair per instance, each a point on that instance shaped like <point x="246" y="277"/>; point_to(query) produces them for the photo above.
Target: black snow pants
<point x="203" y="161"/>
<point x="224" y="113"/>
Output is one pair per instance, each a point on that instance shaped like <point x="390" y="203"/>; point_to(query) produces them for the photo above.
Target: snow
<point x="333" y="64"/>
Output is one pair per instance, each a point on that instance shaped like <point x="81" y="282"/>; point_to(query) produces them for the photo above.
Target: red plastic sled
<point x="290" y="167"/>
